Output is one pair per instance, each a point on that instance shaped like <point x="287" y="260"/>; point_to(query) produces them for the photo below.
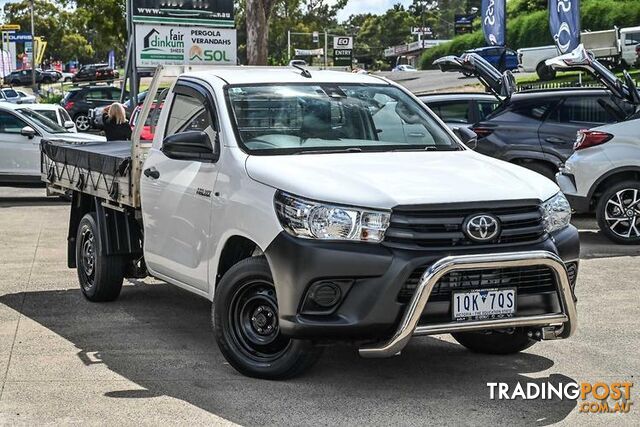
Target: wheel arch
<point x="235" y="248"/>
<point x="120" y="232"/>
<point x="612" y="177"/>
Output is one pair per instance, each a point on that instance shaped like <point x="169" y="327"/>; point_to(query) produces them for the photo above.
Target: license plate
<point x="484" y="304"/>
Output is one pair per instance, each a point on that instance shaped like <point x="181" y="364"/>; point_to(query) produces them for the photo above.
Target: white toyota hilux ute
<point x="316" y="207"/>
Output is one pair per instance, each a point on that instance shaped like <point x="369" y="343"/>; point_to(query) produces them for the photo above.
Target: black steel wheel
<point x="100" y="276"/>
<point x="245" y="321"/>
<point x="618" y="213"/>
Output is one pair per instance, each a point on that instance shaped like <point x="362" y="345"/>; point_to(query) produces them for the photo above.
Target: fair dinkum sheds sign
<point x="214" y="13"/>
<point x="169" y="45"/>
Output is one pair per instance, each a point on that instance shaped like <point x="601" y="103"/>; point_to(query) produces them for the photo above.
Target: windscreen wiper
<point x="339" y="150"/>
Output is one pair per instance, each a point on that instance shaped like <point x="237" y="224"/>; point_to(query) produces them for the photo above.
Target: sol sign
<point x="173" y="45"/>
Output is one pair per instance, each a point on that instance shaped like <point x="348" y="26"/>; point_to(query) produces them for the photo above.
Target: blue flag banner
<point x="494" y="22"/>
<point x="564" y="22"/>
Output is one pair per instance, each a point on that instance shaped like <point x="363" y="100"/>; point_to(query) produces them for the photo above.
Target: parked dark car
<point x="24" y="77"/>
<point x="535" y="129"/>
<point x="95" y="72"/>
<point x="538" y="129"/>
<point x="500" y="57"/>
<point x="78" y="101"/>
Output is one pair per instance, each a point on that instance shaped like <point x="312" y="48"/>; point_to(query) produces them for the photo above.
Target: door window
<point x="99" y="94"/>
<point x="10" y="123"/>
<point x="188" y="113"/>
<point x="453" y="112"/>
<point x="581" y="109"/>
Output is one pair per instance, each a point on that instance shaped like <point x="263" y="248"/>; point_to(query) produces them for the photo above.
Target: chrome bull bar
<point x="564" y="324"/>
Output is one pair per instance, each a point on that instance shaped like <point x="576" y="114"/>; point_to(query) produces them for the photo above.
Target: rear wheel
<point x="100" y="275"/>
<point x="83" y="123"/>
<point x="545" y="72"/>
<point x="618" y="213"/>
<point x="494" y="342"/>
<point x="245" y="321"/>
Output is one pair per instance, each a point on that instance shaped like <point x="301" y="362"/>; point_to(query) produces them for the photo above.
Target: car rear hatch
<point x="501" y="85"/>
<point x="580" y="59"/>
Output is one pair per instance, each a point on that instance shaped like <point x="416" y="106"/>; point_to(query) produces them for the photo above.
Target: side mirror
<point x="68" y="124"/>
<point x="28" y="131"/>
<point x="467" y="136"/>
<point x="193" y="145"/>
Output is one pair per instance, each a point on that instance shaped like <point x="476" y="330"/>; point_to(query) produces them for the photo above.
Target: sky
<point x="368" y="6"/>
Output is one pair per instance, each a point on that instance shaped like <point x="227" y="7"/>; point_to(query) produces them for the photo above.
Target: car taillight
<point x="482" y="132"/>
<point x="68" y="105"/>
<point x="590" y="138"/>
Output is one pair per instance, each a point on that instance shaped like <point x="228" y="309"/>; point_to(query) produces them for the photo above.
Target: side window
<point x="99" y="94"/>
<point x="10" y="123"/>
<point x="453" y="112"/>
<point x="485" y="108"/>
<point x="582" y="109"/>
<point x="188" y="113"/>
<point x="64" y="114"/>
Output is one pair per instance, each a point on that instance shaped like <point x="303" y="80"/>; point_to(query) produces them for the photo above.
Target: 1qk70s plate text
<point x="483" y="304"/>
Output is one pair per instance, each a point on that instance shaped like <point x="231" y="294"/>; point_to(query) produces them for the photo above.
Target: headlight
<point x="557" y="213"/>
<point x="314" y="220"/>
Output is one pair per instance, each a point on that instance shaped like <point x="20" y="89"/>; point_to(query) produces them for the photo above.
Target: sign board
<point x="316" y="36"/>
<point x="309" y="52"/>
<point x="342" y="57"/>
<point x="462" y="24"/>
<point x="209" y="13"/>
<point x="425" y="31"/>
<point x="342" y="42"/>
<point x="10" y="27"/>
<point x="20" y="37"/>
<point x="171" y="45"/>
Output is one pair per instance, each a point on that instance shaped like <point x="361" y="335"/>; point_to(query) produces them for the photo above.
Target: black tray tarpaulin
<point x="109" y="157"/>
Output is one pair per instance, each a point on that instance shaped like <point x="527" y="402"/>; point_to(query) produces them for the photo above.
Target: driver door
<point x="177" y="195"/>
<point x="20" y="154"/>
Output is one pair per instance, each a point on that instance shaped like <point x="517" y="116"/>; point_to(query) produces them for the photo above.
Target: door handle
<point x="151" y="173"/>
<point x="555" y="140"/>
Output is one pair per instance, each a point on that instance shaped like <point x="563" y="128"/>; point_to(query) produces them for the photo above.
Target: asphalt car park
<point x="151" y="356"/>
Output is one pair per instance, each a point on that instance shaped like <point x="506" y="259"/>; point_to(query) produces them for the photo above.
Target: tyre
<point x="15" y="82"/>
<point x="67" y="79"/>
<point x="494" y="342"/>
<point x="100" y="275"/>
<point x="83" y="123"/>
<point x="545" y="72"/>
<point x="544" y="169"/>
<point x="618" y="213"/>
<point x="245" y="322"/>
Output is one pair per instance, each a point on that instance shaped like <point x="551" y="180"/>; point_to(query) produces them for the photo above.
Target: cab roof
<point x="267" y="75"/>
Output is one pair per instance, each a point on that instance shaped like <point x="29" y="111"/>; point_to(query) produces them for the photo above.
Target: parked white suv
<point x="603" y="175"/>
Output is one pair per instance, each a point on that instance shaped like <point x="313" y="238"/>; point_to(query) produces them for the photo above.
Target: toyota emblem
<point x="482" y="227"/>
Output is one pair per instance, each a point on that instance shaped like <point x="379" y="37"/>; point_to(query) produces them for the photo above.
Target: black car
<point x="535" y="129"/>
<point x="24" y="77"/>
<point x="78" y="102"/>
<point x="95" y="72"/>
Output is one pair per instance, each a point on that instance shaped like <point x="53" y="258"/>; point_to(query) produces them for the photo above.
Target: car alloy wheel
<point x="622" y="213"/>
<point x="82" y="123"/>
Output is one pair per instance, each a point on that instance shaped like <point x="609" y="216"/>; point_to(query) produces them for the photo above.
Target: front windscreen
<point x="283" y="119"/>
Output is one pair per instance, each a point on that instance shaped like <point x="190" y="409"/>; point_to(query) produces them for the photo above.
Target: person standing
<point x="116" y="126"/>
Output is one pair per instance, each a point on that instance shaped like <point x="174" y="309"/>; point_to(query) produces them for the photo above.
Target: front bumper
<point x="372" y="276"/>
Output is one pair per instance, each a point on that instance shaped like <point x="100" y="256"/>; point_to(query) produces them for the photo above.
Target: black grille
<point x="527" y="280"/>
<point x="433" y="227"/>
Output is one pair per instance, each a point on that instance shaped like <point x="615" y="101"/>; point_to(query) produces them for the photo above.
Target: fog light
<point x="325" y="294"/>
<point x="323" y="297"/>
